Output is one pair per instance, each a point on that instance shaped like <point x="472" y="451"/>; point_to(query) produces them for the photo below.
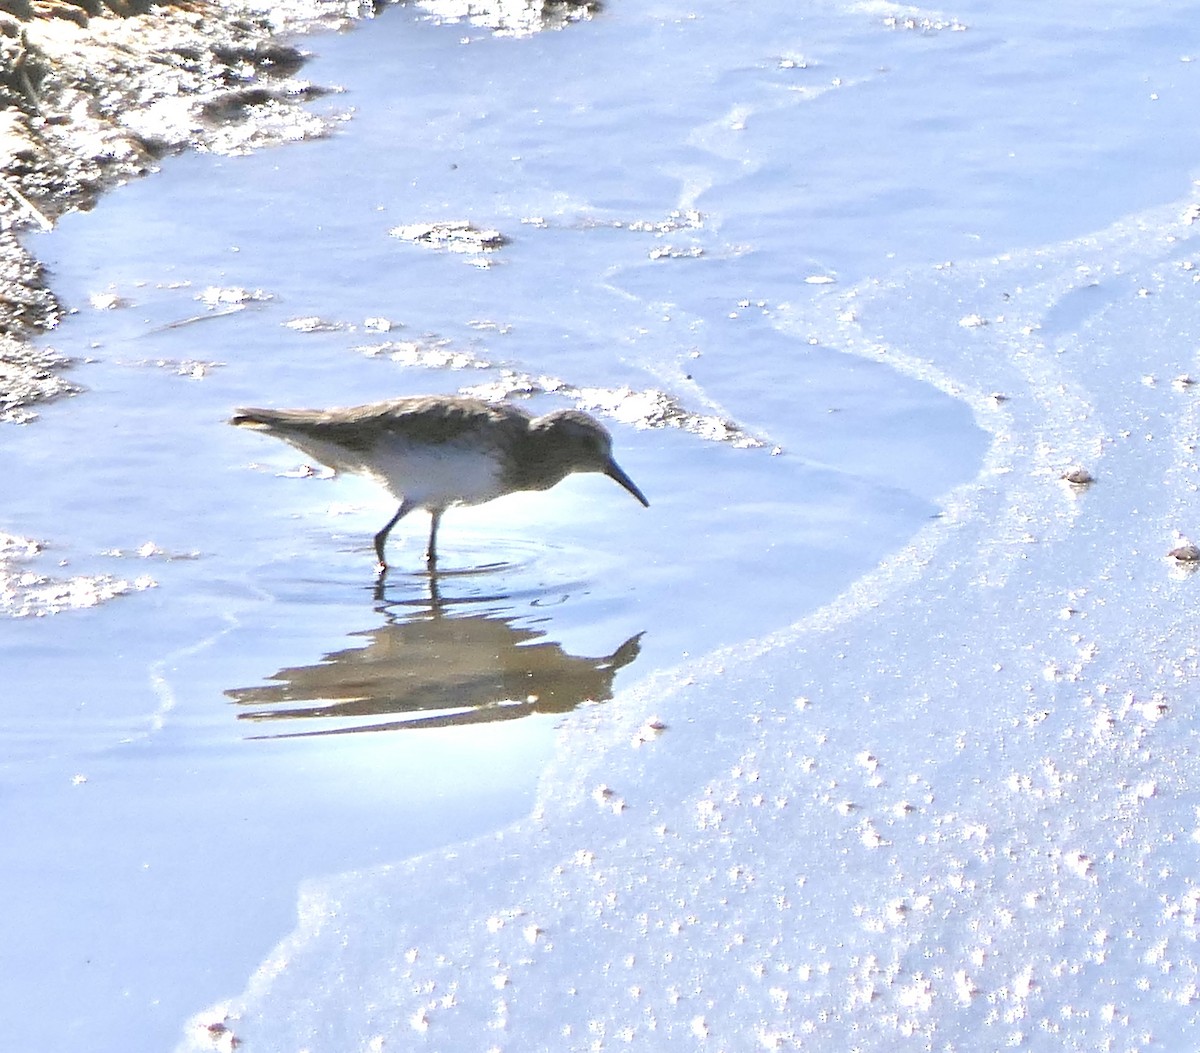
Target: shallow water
<point x="174" y="766"/>
<point x="955" y="806"/>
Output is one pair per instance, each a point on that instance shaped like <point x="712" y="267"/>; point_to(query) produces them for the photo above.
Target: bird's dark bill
<point x="613" y="471"/>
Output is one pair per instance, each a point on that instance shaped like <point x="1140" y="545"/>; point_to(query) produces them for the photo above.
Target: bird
<point x="436" y="451"/>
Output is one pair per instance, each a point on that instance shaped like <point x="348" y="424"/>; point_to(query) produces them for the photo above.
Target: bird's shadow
<point x="435" y="661"/>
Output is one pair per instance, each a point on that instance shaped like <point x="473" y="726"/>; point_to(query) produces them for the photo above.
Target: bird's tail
<point x="262" y="419"/>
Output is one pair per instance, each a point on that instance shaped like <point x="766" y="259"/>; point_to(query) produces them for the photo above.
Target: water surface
<point x="253" y="710"/>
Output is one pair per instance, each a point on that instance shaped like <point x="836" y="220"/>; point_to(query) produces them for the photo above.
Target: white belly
<point x="436" y="476"/>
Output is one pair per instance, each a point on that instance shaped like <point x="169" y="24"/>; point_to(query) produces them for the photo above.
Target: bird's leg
<point x="431" y="552"/>
<point x="381" y="537"/>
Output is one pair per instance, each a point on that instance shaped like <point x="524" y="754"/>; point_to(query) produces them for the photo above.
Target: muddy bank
<point x="95" y="93"/>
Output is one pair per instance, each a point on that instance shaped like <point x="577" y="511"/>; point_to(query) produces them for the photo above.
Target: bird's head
<point x="571" y="441"/>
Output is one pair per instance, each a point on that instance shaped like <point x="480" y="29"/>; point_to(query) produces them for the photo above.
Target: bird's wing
<point x="359" y="429"/>
<point x="432" y="421"/>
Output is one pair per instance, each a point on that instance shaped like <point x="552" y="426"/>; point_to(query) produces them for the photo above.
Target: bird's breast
<point x="439" y="475"/>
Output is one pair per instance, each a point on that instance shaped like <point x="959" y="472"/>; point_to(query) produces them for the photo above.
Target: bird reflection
<point x="432" y="665"/>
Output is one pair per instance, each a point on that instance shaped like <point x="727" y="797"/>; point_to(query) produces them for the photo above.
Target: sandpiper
<point x="435" y="451"/>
